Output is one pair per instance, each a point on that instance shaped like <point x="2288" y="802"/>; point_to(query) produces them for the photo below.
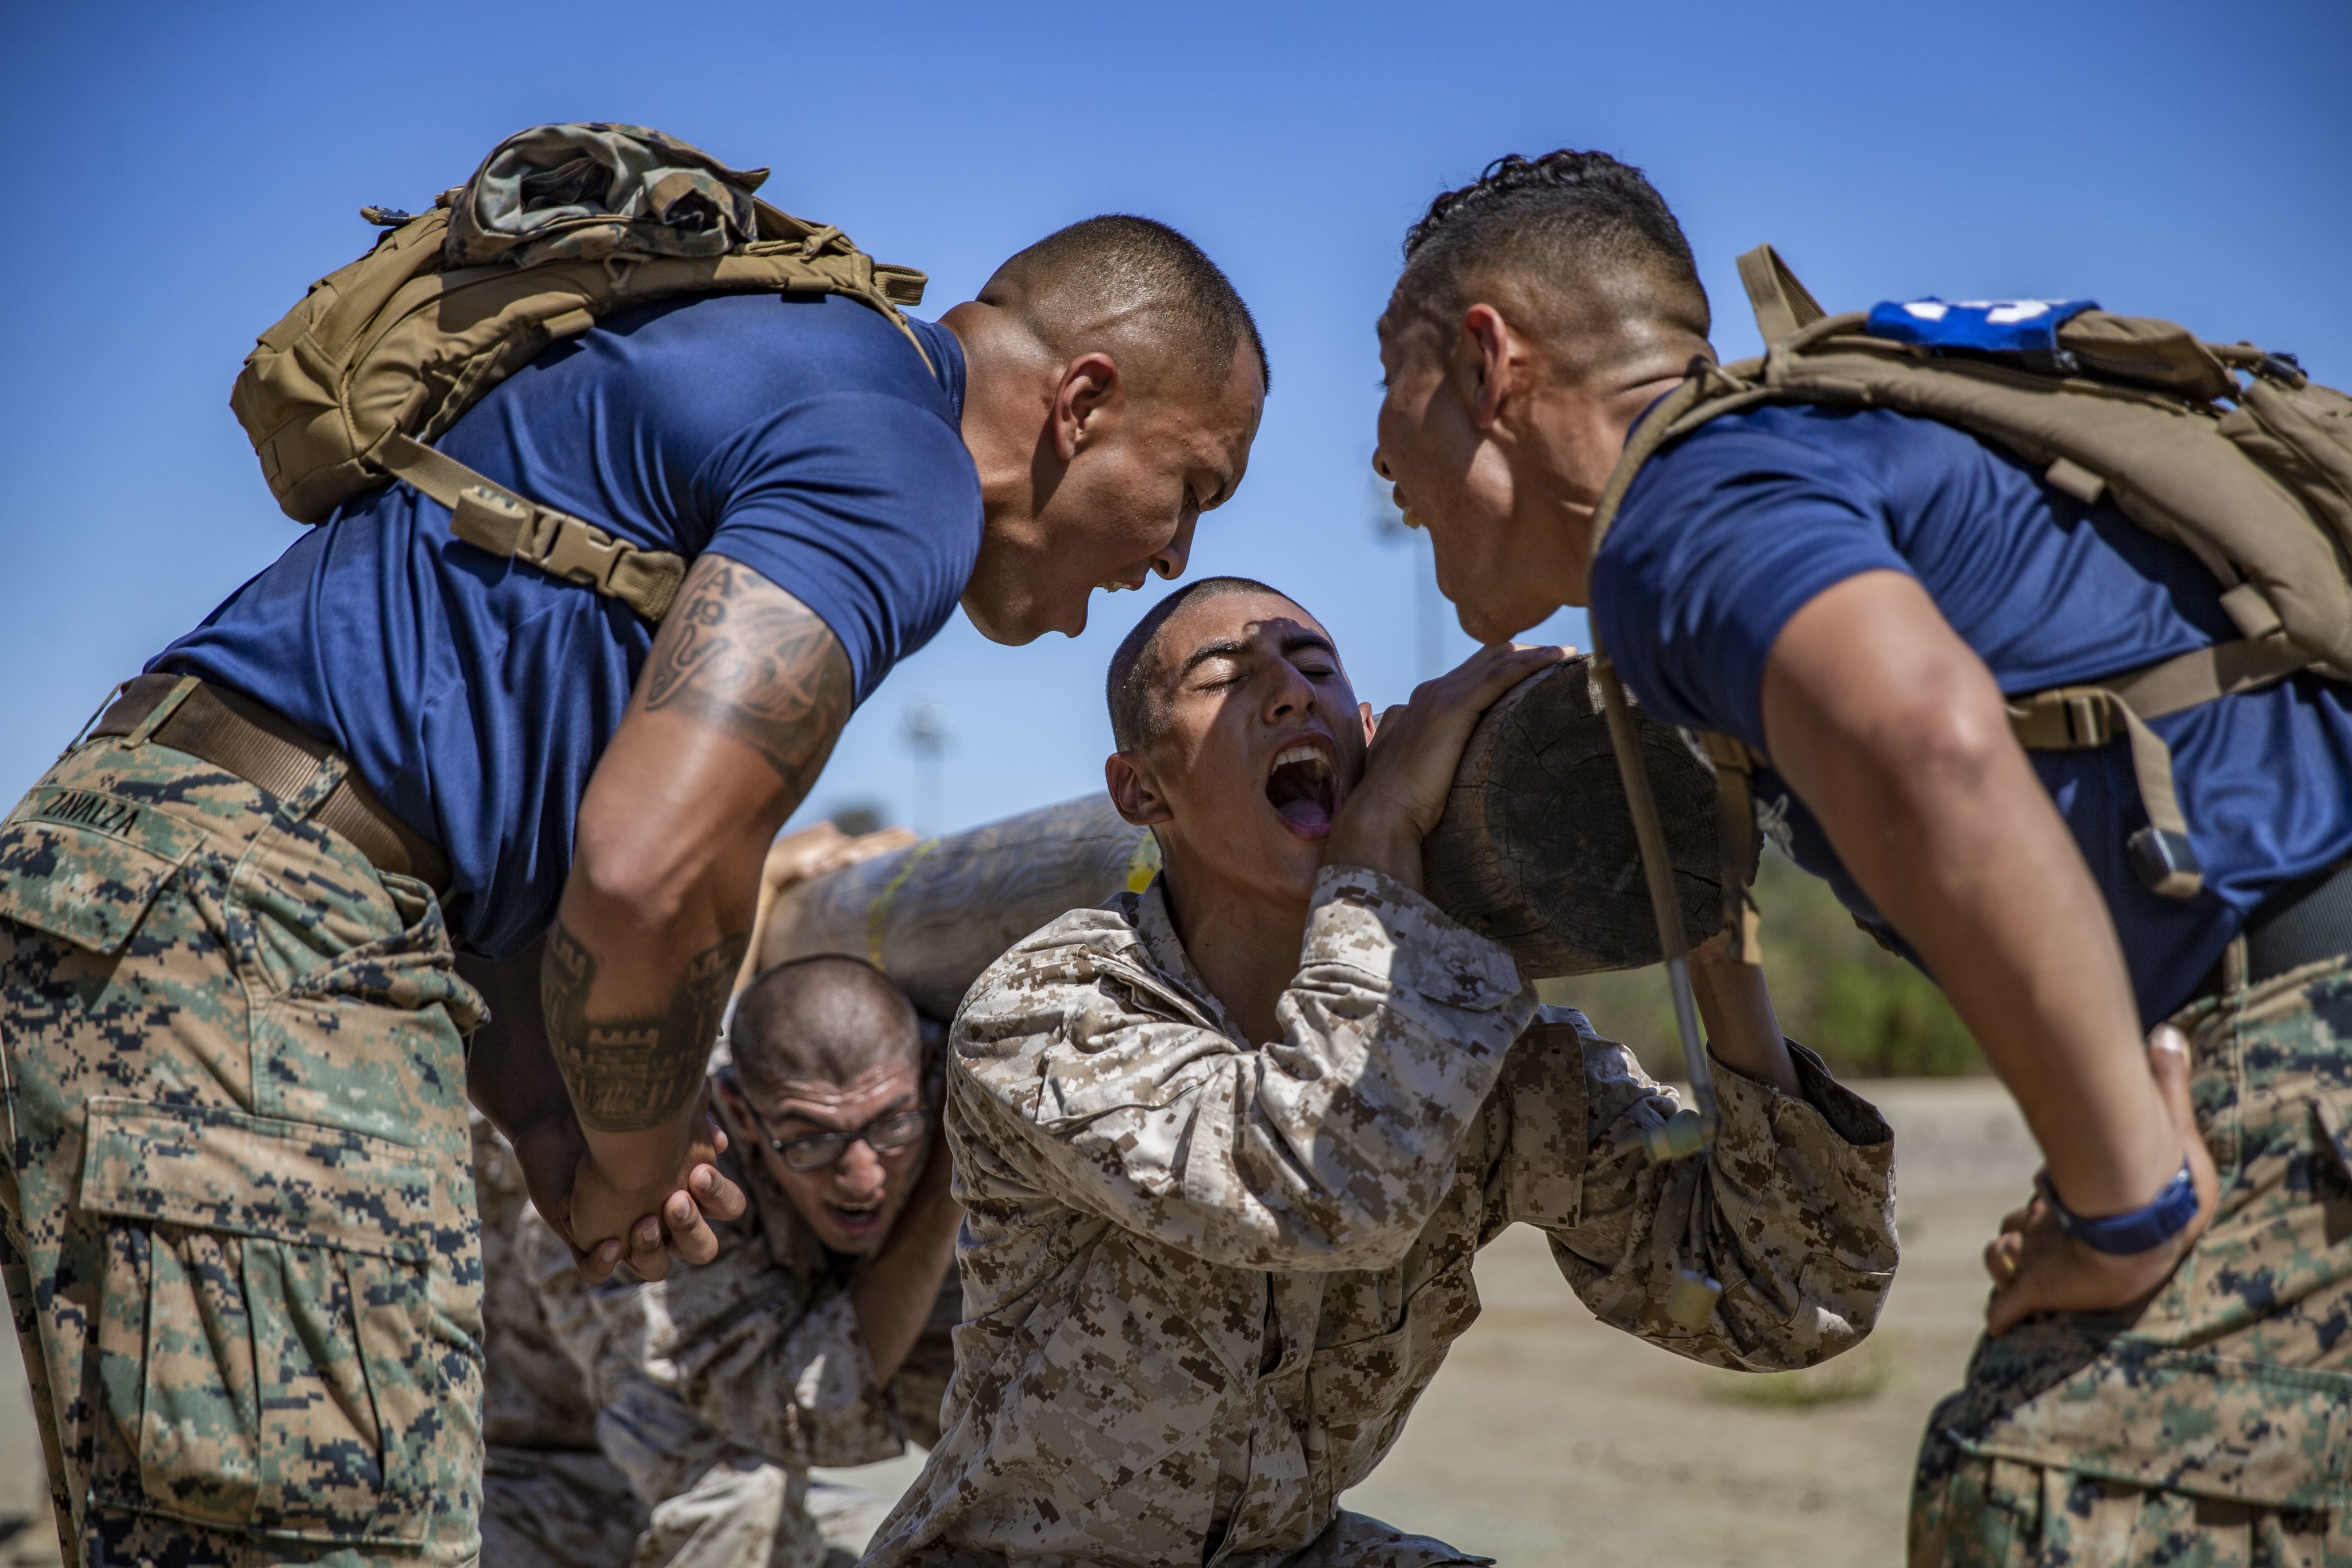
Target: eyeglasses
<point x="895" y="1130"/>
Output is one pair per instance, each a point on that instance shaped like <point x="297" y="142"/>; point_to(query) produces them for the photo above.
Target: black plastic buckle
<point x="2165" y="863"/>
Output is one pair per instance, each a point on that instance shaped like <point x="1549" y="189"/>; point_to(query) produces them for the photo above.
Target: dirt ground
<point x="1547" y="1439"/>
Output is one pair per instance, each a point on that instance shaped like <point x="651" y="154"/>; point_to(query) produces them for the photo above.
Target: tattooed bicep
<point x="739" y="654"/>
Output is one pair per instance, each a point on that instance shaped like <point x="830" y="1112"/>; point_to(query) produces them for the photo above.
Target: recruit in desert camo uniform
<point x="550" y="1499"/>
<point x="1177" y="1344"/>
<point x="1209" y="1264"/>
<point x="717" y="1388"/>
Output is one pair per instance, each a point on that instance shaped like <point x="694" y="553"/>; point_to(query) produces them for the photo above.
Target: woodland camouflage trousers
<point x="241" y="1248"/>
<point x="2213" y="1427"/>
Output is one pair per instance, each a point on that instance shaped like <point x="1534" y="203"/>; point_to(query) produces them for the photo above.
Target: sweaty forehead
<point x="1265" y="619"/>
<point x="1410" y="336"/>
<point x="1212" y="424"/>
<point x="825" y="1100"/>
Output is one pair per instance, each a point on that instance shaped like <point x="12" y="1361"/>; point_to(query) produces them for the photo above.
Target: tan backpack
<point x="561" y="224"/>
<point x="2254" y="477"/>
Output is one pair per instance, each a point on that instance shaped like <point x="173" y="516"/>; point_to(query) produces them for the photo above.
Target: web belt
<point x="2301" y="923"/>
<point x="264" y="749"/>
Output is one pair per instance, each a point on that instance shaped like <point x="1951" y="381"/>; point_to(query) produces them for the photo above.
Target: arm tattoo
<point x="743" y="656"/>
<point x="627" y="1075"/>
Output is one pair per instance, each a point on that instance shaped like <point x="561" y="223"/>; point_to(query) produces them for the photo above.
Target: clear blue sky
<point x="184" y="171"/>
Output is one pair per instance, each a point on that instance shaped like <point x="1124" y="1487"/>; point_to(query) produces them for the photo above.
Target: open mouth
<point x="855" y="1217"/>
<point x="1299" y="785"/>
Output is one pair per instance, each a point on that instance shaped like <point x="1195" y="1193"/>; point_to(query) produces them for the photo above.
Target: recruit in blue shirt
<point x="1724" y="537"/>
<point x="804" y="438"/>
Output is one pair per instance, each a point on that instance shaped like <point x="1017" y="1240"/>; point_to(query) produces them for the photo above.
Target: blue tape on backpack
<point x="2028" y="327"/>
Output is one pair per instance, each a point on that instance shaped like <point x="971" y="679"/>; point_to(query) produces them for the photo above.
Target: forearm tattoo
<point x="745" y="656"/>
<point x="630" y="1073"/>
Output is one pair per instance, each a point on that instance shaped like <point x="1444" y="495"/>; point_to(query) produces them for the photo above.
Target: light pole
<point x="927" y="740"/>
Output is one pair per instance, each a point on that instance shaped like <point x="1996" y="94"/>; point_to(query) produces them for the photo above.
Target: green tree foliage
<point x="1869" y="1013"/>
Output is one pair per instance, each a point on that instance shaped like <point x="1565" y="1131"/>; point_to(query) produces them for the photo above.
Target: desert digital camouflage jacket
<point x="1205" y="1281"/>
<point x="757" y="1350"/>
<point x="533" y="1397"/>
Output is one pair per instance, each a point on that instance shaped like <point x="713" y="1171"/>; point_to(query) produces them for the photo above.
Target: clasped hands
<point x="643" y="1225"/>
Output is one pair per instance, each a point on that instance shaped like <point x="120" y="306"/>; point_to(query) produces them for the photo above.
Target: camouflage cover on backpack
<point x="2253" y="475"/>
<point x="561" y="224"/>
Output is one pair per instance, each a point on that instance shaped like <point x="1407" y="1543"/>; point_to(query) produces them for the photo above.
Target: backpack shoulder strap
<point x="1708" y="392"/>
<point x="490" y="517"/>
<point x="1735" y="763"/>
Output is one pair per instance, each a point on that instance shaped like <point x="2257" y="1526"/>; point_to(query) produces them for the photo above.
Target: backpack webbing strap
<point x="492" y="517"/>
<point x="1689" y="1130"/>
<point x="1651" y="431"/>
<point x="2222" y="670"/>
<point x="2072" y="717"/>
<point x="1736" y="816"/>
<point x="1782" y="305"/>
<point x="2069" y="718"/>
<point x="2066" y="718"/>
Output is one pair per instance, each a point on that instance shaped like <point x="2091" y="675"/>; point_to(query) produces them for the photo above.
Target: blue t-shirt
<point x="803" y="438"/>
<point x="1725" y="535"/>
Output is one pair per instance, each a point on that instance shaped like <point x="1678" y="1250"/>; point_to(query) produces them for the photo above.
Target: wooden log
<point x="933" y="916"/>
<point x="1536" y="849"/>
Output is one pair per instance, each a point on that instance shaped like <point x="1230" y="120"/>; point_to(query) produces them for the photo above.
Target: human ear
<point x="1372" y="724"/>
<point x="1486" y="362"/>
<point x="1089" y="390"/>
<point x="1134" y="793"/>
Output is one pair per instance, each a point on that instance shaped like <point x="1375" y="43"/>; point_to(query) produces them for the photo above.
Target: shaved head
<point x="1135" y="667"/>
<point x="1138" y="284"/>
<point x="1577" y="249"/>
<point x="830" y="1019"/>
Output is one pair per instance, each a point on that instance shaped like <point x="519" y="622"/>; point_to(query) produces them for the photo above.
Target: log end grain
<point x="1536" y="848"/>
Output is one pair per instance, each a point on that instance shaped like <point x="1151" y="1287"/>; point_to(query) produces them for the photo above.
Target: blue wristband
<point x="2164" y="1216"/>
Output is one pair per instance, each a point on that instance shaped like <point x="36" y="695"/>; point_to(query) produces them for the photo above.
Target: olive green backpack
<point x="2253" y="476"/>
<point x="560" y="226"/>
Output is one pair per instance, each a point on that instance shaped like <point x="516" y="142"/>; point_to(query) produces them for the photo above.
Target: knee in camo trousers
<point x="239" y="1213"/>
<point x="2213" y="1427"/>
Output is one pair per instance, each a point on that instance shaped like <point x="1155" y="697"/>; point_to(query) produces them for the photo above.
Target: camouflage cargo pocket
<point x="2189" y="1422"/>
<point x="264" y="1348"/>
<point x="83" y="866"/>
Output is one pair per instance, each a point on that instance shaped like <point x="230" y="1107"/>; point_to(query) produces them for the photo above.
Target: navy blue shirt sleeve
<point x="1728" y="533"/>
<point x="1718" y="542"/>
<point x="803" y="438"/>
<point x="858" y="506"/>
